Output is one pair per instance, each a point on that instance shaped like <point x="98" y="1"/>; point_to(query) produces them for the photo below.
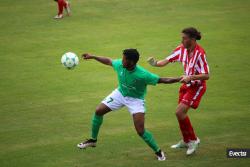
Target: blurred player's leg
<point x="61" y="4"/>
<point x="67" y="7"/>
<point x="97" y="120"/>
<point x="147" y="136"/>
<point x="184" y="123"/>
<point x="110" y="103"/>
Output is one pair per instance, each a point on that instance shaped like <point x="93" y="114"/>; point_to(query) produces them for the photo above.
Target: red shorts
<point x="191" y="95"/>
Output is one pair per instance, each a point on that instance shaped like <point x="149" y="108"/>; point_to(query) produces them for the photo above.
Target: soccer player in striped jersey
<point x="196" y="72"/>
<point x="133" y="81"/>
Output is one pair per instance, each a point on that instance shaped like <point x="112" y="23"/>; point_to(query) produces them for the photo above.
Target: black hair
<point x="131" y="54"/>
<point x="192" y="33"/>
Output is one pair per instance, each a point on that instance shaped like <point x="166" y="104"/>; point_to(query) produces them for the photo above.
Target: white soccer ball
<point x="70" y="60"/>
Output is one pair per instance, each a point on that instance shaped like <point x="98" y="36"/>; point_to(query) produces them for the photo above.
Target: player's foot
<point x="60" y="16"/>
<point x="180" y="144"/>
<point x="68" y="8"/>
<point x="160" y="155"/>
<point x="192" y="146"/>
<point x="87" y="143"/>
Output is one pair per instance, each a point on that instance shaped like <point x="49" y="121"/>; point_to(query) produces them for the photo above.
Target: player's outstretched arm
<point x="161" y="63"/>
<point x="187" y="79"/>
<point x="169" y="80"/>
<point x="103" y="60"/>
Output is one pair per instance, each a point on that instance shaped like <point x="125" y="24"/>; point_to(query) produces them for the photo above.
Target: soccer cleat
<point x="60" y="16"/>
<point x="192" y="146"/>
<point x="180" y="144"/>
<point x="160" y="155"/>
<point x="87" y="143"/>
<point x="68" y="8"/>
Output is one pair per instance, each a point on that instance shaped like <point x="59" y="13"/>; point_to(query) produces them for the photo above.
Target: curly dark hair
<point x="131" y="54"/>
<point x="192" y="33"/>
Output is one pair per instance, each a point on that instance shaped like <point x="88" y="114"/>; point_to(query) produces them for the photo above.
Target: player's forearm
<point x="103" y="60"/>
<point x="199" y="77"/>
<point x="161" y="63"/>
<point x="169" y="80"/>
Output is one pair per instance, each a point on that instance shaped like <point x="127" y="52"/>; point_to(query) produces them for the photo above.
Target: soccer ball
<point x="69" y="60"/>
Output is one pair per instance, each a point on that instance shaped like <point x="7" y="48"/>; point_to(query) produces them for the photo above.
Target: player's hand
<point x="152" y="61"/>
<point x="86" y="56"/>
<point x="185" y="79"/>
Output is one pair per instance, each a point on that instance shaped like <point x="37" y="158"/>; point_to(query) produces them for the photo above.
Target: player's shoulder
<point x="179" y="47"/>
<point x="116" y="62"/>
<point x="142" y="72"/>
<point x="200" y="49"/>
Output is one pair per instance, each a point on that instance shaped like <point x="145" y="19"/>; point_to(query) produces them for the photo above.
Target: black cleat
<point x="87" y="143"/>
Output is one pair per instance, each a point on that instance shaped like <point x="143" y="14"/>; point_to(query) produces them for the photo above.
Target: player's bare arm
<point x="103" y="60"/>
<point x="166" y="80"/>
<point x="187" y="79"/>
<point x="161" y="63"/>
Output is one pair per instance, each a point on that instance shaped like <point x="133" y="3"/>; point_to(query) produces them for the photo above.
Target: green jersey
<point x="134" y="83"/>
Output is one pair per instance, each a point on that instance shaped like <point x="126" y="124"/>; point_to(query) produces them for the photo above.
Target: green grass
<point x="45" y="110"/>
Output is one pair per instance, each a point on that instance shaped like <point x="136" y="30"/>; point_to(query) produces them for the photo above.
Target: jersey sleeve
<point x="175" y="56"/>
<point x="151" y="79"/>
<point x="116" y="63"/>
<point x="203" y="65"/>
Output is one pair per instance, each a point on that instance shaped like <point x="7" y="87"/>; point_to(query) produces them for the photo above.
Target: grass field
<point x="45" y="110"/>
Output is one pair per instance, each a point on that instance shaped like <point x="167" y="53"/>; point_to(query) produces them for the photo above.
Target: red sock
<point x="187" y="130"/>
<point x="184" y="130"/>
<point x="61" y="4"/>
<point x="190" y="129"/>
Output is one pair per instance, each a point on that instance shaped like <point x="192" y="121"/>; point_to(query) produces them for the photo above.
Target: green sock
<point x="96" y="123"/>
<point x="149" y="139"/>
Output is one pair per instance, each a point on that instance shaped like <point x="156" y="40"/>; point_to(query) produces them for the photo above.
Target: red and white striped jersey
<point x="196" y="64"/>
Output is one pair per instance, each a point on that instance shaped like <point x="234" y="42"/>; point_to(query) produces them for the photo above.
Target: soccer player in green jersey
<point x="133" y="80"/>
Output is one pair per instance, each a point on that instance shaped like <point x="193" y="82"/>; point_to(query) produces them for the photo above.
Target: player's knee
<point x="99" y="111"/>
<point x="140" y="131"/>
<point x="179" y="114"/>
